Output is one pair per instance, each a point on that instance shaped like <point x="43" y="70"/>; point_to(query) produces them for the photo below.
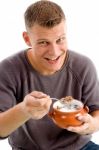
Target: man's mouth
<point x="52" y="60"/>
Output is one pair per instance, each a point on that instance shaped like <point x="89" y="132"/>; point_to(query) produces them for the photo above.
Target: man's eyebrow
<point x="41" y="40"/>
<point x="63" y="34"/>
<point x="48" y="39"/>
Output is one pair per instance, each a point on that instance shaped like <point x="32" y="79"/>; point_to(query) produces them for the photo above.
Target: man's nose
<point x="53" y="49"/>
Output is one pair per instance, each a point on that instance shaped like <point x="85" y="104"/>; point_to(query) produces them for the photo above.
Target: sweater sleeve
<point x="7" y="86"/>
<point x="86" y="73"/>
<point x="90" y="88"/>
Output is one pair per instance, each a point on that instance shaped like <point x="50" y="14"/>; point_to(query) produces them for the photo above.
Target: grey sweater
<point x="77" y="78"/>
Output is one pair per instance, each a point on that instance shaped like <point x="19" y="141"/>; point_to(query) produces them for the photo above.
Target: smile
<point x="53" y="61"/>
<point x="48" y="59"/>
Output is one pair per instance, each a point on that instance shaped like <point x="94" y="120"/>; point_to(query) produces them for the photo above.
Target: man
<point x="46" y="69"/>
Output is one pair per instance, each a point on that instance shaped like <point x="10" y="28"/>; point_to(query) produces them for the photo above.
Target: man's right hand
<point x="36" y="104"/>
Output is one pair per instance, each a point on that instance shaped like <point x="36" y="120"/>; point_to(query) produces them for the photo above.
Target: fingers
<point x="40" y="99"/>
<point x="87" y="126"/>
<point x="37" y="99"/>
<point x="79" y="129"/>
<point x="37" y="104"/>
<point x="38" y="94"/>
<point x="85" y="118"/>
<point x="38" y="113"/>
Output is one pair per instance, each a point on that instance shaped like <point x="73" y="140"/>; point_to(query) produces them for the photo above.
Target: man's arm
<point x="12" y="119"/>
<point x="35" y="105"/>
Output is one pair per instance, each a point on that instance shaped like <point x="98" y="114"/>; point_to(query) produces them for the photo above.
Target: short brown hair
<point x="44" y="13"/>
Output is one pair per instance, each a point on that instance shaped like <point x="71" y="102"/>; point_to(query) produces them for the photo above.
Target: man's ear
<point x="26" y="38"/>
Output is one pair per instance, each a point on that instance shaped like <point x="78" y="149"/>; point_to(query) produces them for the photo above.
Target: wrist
<point x="24" y="111"/>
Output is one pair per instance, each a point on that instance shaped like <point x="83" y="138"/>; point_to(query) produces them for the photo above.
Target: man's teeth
<point x="52" y="59"/>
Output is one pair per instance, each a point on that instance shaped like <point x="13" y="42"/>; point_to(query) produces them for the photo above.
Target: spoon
<point x="55" y="99"/>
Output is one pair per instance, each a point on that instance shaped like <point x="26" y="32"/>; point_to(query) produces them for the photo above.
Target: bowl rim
<point x="66" y="112"/>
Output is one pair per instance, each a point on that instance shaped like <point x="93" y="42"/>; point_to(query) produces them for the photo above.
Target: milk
<point x="68" y="106"/>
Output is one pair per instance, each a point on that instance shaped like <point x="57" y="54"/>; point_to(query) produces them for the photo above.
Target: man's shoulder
<point x="14" y="62"/>
<point x="14" y="58"/>
<point x="80" y="65"/>
<point x="78" y="56"/>
<point x="79" y="60"/>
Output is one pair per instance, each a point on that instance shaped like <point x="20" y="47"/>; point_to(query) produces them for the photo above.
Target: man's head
<point x="46" y="36"/>
<point x="44" y="13"/>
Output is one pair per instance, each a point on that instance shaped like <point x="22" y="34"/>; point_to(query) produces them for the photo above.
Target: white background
<point x="82" y="26"/>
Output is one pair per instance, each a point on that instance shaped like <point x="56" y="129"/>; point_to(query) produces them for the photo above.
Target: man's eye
<point x="60" y="40"/>
<point x="43" y="43"/>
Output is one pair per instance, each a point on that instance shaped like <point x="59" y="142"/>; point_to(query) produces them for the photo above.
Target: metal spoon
<point x="55" y="99"/>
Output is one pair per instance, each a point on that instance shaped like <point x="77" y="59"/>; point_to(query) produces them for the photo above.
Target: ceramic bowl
<point x="67" y="116"/>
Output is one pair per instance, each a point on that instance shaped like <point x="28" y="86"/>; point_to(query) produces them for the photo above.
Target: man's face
<point x="49" y="47"/>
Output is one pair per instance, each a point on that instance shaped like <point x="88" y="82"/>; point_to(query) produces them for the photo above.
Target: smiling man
<point x="46" y="69"/>
<point x="47" y="40"/>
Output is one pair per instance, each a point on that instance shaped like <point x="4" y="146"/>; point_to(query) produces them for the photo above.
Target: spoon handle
<point x="55" y="99"/>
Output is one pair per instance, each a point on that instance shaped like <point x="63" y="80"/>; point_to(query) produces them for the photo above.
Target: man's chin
<point x="52" y="71"/>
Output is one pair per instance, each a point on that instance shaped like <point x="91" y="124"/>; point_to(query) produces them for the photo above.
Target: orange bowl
<point x="65" y="119"/>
